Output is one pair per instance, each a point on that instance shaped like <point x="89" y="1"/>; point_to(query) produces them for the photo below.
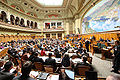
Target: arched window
<point x="22" y="22"/>
<point x="12" y="19"/>
<point x="31" y="24"/>
<point x="17" y="21"/>
<point x="4" y="16"/>
<point x="28" y="23"/>
<point x="35" y="25"/>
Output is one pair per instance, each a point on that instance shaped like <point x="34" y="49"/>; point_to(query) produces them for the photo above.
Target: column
<point x="50" y="35"/>
<point x="56" y="35"/>
<point x="63" y="36"/>
<point x="81" y="20"/>
<point x="67" y="27"/>
<point x="73" y="24"/>
<point x="44" y="35"/>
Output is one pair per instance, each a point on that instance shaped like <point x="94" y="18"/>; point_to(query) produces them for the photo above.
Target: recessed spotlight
<point x="25" y="3"/>
<point x="37" y="9"/>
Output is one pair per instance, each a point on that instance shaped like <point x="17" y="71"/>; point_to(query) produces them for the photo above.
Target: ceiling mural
<point x="105" y="16"/>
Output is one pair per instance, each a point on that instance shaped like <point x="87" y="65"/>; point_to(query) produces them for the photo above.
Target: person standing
<point x="87" y="45"/>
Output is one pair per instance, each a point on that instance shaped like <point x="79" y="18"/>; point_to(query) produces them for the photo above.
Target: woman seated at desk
<point x="66" y="62"/>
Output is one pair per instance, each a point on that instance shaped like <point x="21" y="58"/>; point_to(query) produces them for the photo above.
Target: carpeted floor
<point x="103" y="67"/>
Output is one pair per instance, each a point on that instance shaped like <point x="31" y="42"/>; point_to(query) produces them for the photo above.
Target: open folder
<point x="43" y="76"/>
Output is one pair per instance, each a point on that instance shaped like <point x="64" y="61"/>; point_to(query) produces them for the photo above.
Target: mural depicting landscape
<point x="105" y="16"/>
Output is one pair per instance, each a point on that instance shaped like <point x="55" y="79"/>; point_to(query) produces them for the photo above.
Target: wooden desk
<point x="105" y="53"/>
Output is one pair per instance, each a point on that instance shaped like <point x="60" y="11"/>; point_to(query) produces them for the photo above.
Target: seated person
<point x="78" y="54"/>
<point x="56" y="52"/>
<point x="112" y="41"/>
<point x="84" y="53"/>
<point x="25" y="57"/>
<point x="32" y="56"/>
<point x="84" y="63"/>
<point x="1" y="47"/>
<point x="37" y="59"/>
<point x="50" y="61"/>
<point x="26" y="68"/>
<point x="66" y="61"/>
<point x="99" y="44"/>
<point x="103" y="45"/>
<point x="80" y="49"/>
<point x="42" y="52"/>
<point x="75" y="47"/>
<point x="5" y="73"/>
<point x="113" y="77"/>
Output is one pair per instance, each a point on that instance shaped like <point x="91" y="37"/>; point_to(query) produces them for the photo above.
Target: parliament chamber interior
<point x="59" y="39"/>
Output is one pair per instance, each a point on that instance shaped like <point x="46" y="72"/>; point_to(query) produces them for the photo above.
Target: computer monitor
<point x="70" y="74"/>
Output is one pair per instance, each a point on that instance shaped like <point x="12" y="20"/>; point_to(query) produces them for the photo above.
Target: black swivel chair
<point x="91" y="75"/>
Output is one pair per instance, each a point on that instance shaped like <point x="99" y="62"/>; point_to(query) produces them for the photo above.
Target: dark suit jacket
<point x="6" y="76"/>
<point x="37" y="59"/>
<point x="87" y="43"/>
<point x="50" y="61"/>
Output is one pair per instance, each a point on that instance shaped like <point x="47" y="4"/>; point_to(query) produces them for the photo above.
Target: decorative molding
<point x="17" y="28"/>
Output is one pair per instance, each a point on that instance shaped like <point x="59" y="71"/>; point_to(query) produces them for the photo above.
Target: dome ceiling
<point x="50" y="2"/>
<point x="41" y="9"/>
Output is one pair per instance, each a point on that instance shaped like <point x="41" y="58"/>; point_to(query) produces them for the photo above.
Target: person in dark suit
<point x="26" y="68"/>
<point x="50" y="61"/>
<point x="87" y="45"/>
<point x="66" y="61"/>
<point x="37" y="59"/>
<point x="56" y="53"/>
<point x="116" y="60"/>
<point x="5" y="73"/>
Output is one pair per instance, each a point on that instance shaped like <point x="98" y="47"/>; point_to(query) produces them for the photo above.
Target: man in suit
<point x="56" y="53"/>
<point x="37" y="59"/>
<point x="26" y="68"/>
<point x="87" y="45"/>
<point x="5" y="73"/>
<point x="50" y="61"/>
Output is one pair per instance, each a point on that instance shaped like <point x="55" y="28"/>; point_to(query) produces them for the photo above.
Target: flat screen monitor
<point x="70" y="74"/>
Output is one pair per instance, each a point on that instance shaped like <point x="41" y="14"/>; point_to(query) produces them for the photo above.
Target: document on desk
<point x="34" y="73"/>
<point x="53" y="77"/>
<point x="43" y="75"/>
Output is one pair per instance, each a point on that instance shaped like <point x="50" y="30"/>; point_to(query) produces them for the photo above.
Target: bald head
<point x="113" y="77"/>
